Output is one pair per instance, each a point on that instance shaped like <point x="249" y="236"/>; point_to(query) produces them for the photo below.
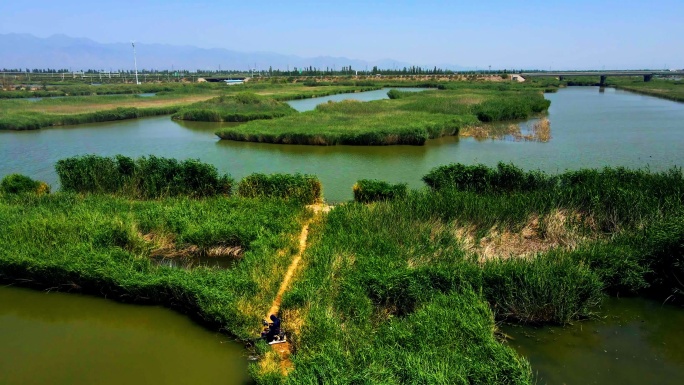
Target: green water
<point x="59" y="338"/>
<point x="589" y="129"/>
<point x="636" y="341"/>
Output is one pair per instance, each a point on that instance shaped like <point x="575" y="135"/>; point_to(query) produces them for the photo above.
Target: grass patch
<point x="241" y="107"/>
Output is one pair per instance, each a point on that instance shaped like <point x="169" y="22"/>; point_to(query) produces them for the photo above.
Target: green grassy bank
<point x="407" y="118"/>
<point x="660" y="88"/>
<point x="118" y="102"/>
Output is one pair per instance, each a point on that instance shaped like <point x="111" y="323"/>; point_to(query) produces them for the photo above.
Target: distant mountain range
<point x="21" y="51"/>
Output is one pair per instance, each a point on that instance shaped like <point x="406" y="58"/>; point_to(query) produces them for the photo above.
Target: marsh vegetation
<point x="406" y="118"/>
<point x="427" y="270"/>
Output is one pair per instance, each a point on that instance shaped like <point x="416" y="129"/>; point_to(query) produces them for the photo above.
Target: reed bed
<point x="146" y="177"/>
<point x="305" y="189"/>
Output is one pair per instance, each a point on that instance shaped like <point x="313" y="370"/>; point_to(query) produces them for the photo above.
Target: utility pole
<point x="135" y="63"/>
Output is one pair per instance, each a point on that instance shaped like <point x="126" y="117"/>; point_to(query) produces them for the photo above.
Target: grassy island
<point x="404" y="289"/>
<point x="406" y="118"/>
<point x="241" y="107"/>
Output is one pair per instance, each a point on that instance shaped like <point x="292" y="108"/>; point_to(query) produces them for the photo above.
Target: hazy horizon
<point x="543" y="35"/>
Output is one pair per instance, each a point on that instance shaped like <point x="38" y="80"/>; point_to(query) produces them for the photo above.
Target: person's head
<point x="273" y="317"/>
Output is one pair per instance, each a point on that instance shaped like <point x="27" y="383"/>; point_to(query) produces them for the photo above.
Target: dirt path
<point x="283" y="350"/>
<point x="290" y="272"/>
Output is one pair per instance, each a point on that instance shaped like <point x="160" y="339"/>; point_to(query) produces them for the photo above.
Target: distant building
<point x="517" y="78"/>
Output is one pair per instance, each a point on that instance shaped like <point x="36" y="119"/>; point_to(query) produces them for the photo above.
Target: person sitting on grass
<point x="273" y="329"/>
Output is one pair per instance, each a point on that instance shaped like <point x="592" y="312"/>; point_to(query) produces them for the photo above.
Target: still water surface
<point x="589" y="129"/>
<point x="59" y="338"/>
<point x="635" y="341"/>
<point x="310" y="104"/>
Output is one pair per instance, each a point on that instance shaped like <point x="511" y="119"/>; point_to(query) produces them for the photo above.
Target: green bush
<point x="20" y="184"/>
<point x="370" y="190"/>
<point x="397" y="94"/>
<point x="305" y="189"/>
<point x="549" y="288"/>
<point x="147" y="177"/>
<point x="482" y="179"/>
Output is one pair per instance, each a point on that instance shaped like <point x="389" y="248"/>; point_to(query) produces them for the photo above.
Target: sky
<point x="528" y="34"/>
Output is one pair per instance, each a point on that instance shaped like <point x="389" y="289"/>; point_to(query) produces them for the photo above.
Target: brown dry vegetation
<point x="164" y="246"/>
<point x="137" y="103"/>
<point x="558" y="229"/>
<point x="540" y="132"/>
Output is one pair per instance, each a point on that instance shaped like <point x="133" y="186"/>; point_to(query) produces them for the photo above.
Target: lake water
<point x="589" y="129"/>
<point x="310" y="104"/>
<point x="71" y="339"/>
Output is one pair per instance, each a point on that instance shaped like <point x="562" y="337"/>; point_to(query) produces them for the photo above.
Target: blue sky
<point x="504" y="34"/>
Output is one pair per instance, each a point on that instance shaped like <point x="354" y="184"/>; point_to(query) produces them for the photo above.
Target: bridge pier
<point x="602" y="83"/>
<point x="647" y="78"/>
<point x="561" y="78"/>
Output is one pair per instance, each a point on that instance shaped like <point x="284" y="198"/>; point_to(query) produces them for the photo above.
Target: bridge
<point x="648" y="75"/>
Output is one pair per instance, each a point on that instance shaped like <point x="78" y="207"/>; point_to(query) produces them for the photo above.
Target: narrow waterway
<point x="589" y="129"/>
<point x="635" y="341"/>
<point x="70" y="339"/>
<point x="310" y="104"/>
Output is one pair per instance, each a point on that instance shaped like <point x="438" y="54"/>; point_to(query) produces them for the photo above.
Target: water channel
<point x="637" y="342"/>
<point x="60" y="338"/>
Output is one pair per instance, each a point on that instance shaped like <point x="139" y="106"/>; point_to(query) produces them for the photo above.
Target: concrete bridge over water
<point x="648" y="75"/>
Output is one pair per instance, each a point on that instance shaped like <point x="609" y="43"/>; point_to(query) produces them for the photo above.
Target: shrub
<point x="397" y="94"/>
<point x="369" y="190"/>
<point x="301" y="188"/>
<point x="549" y="288"/>
<point x="20" y="184"/>
<point x="480" y="178"/>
